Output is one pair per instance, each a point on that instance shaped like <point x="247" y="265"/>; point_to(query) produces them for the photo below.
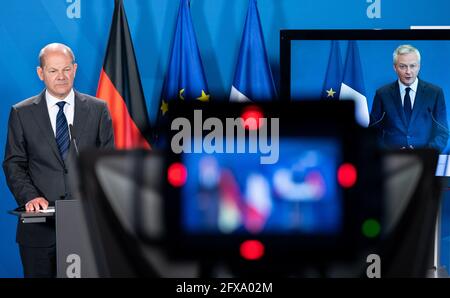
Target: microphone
<point x="379" y="120"/>
<point x="435" y="121"/>
<point x="73" y="139"/>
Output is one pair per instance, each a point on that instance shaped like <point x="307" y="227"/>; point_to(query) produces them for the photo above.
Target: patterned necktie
<point x="62" y="131"/>
<point x="407" y="105"/>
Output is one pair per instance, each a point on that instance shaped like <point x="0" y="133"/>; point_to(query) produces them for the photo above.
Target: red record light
<point x="252" y="250"/>
<point x="177" y="174"/>
<point x="347" y="175"/>
<point x="252" y="112"/>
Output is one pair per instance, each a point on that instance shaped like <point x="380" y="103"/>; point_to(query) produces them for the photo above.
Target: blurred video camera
<point x="277" y="184"/>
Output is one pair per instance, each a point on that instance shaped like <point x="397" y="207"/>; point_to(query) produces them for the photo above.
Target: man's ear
<point x="40" y="73"/>
<point x="75" y="69"/>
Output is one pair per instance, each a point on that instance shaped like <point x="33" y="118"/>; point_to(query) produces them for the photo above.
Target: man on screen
<point x="37" y="150"/>
<point x="410" y="113"/>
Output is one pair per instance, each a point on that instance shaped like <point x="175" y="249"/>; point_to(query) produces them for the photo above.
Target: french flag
<point x="352" y="86"/>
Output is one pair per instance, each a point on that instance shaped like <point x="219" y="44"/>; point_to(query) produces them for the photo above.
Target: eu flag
<point x="185" y="78"/>
<point x="333" y="77"/>
<point x="253" y="79"/>
<point x="353" y="84"/>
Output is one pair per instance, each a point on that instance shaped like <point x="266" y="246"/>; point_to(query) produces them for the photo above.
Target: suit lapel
<point x="40" y="112"/>
<point x="80" y="117"/>
<point x="419" y="101"/>
<point x="395" y="93"/>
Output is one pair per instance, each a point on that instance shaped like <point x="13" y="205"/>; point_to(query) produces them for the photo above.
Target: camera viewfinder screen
<point x="235" y="194"/>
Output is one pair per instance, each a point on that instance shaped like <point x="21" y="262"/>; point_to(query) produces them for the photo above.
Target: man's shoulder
<point x="386" y="88"/>
<point x="91" y="100"/>
<point x="27" y="103"/>
<point x="429" y="86"/>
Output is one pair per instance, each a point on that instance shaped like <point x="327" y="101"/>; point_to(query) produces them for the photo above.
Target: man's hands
<point x="36" y="204"/>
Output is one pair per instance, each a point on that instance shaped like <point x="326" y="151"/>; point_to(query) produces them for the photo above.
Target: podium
<point x="31" y="217"/>
<point x="74" y="252"/>
<point x="439" y="270"/>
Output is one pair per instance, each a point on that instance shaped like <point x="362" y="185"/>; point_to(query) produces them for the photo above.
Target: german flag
<point x="120" y="86"/>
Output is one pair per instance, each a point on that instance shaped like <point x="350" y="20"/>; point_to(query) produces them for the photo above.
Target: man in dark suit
<point x="37" y="150"/>
<point x="410" y="113"/>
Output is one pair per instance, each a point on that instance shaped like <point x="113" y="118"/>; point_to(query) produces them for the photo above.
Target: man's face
<point x="58" y="73"/>
<point x="407" y="68"/>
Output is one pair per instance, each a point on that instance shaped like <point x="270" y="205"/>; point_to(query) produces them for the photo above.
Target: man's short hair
<point x="405" y="49"/>
<point x="51" y="46"/>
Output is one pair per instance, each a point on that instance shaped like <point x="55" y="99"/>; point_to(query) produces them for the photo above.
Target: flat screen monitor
<point x="305" y="56"/>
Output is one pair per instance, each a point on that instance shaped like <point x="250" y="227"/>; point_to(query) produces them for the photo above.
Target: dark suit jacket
<point x="33" y="166"/>
<point x="428" y="126"/>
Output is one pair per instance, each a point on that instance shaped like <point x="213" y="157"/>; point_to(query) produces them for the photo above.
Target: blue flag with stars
<point x="333" y="77"/>
<point x="253" y="79"/>
<point x="185" y="78"/>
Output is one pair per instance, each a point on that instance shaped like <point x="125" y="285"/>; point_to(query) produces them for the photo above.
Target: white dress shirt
<point x="53" y="109"/>
<point x="412" y="92"/>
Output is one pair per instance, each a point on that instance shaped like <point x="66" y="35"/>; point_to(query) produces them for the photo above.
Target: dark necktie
<point x="62" y="131"/>
<point x="407" y="105"/>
